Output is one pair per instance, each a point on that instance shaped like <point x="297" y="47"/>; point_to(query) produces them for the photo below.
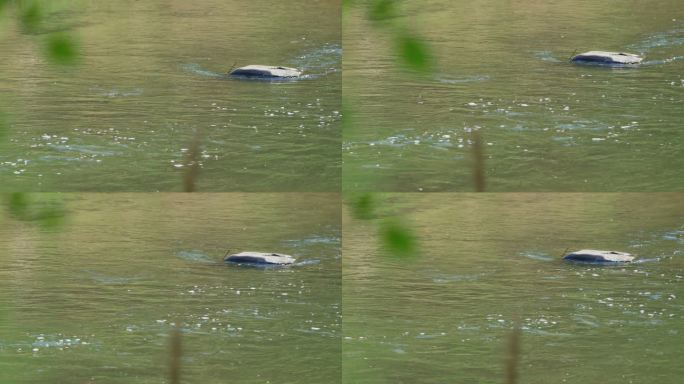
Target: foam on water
<point x="195" y="256"/>
<point x="314" y="239"/>
<point x="445" y="279"/>
<point x="196" y="69"/>
<point x="304" y="263"/>
<point x="676" y="235"/>
<point x="93" y="150"/>
<point x="319" y="61"/>
<point x="663" y="61"/>
<point x="541" y="256"/>
<point x="114" y="92"/>
<point x="448" y="79"/>
<point x="547" y="56"/>
<point x="667" y="39"/>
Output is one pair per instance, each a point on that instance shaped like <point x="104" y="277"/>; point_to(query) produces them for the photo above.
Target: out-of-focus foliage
<point x="363" y="206"/>
<point x="398" y="239"/>
<point x="45" y="210"/>
<point x="2" y="5"/>
<point x="62" y="49"/>
<point x="30" y="15"/>
<point x="414" y="52"/>
<point x="379" y="10"/>
<point x="36" y="19"/>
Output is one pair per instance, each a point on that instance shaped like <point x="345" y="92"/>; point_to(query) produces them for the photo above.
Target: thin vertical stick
<point x="176" y="352"/>
<point x="192" y="162"/>
<point x="478" y="165"/>
<point x="513" y="358"/>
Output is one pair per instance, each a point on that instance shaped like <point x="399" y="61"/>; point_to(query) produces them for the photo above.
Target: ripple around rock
<point x="315" y="239"/>
<point x="319" y="61"/>
<point x="537" y="256"/>
<point x="667" y="39"/>
<point x="195" y="256"/>
<point x="546" y="56"/>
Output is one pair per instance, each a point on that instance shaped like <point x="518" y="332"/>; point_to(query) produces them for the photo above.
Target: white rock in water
<point x="594" y="256"/>
<point x="265" y="71"/>
<point x="259" y="258"/>
<point x="603" y="57"/>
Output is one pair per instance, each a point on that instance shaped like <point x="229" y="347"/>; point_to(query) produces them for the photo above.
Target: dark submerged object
<point x="259" y="259"/>
<point x="598" y="257"/>
<point x="265" y="72"/>
<point x="607" y="58"/>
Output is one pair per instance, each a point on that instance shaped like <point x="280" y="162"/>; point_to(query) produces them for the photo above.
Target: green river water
<point x="93" y="299"/>
<point x="93" y="302"/>
<point x="150" y="77"/>
<point x="500" y="68"/>
<point x="489" y="259"/>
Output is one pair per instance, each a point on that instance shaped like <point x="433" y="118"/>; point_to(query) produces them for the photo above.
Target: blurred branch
<point x="175" y="351"/>
<point x="192" y="163"/>
<point x="513" y="357"/>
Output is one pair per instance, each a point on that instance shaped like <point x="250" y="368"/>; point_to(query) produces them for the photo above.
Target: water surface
<point x="487" y="261"/>
<point x="502" y="69"/>
<point x="152" y="77"/>
<point x="96" y="299"/>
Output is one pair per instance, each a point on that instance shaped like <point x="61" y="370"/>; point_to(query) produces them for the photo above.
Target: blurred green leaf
<point x="2" y="4"/>
<point x="414" y="52"/>
<point x="399" y="241"/>
<point x="51" y="216"/>
<point x="18" y="205"/>
<point x="48" y="213"/>
<point x="363" y="206"/>
<point x="347" y="3"/>
<point x="62" y="49"/>
<point x="30" y="15"/>
<point x="380" y="10"/>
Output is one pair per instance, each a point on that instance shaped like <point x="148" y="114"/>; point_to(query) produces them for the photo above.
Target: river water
<point x="94" y="300"/>
<point x="151" y="78"/>
<point x="501" y="68"/>
<point x="487" y="261"/>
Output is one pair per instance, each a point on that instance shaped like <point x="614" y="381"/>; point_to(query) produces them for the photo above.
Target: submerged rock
<point x="607" y="58"/>
<point x="259" y="259"/>
<point x="594" y="256"/>
<point x="265" y="72"/>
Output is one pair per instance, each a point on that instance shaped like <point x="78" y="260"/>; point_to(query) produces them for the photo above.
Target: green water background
<point x="489" y="260"/>
<point x="94" y="301"/>
<point x="501" y="69"/>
